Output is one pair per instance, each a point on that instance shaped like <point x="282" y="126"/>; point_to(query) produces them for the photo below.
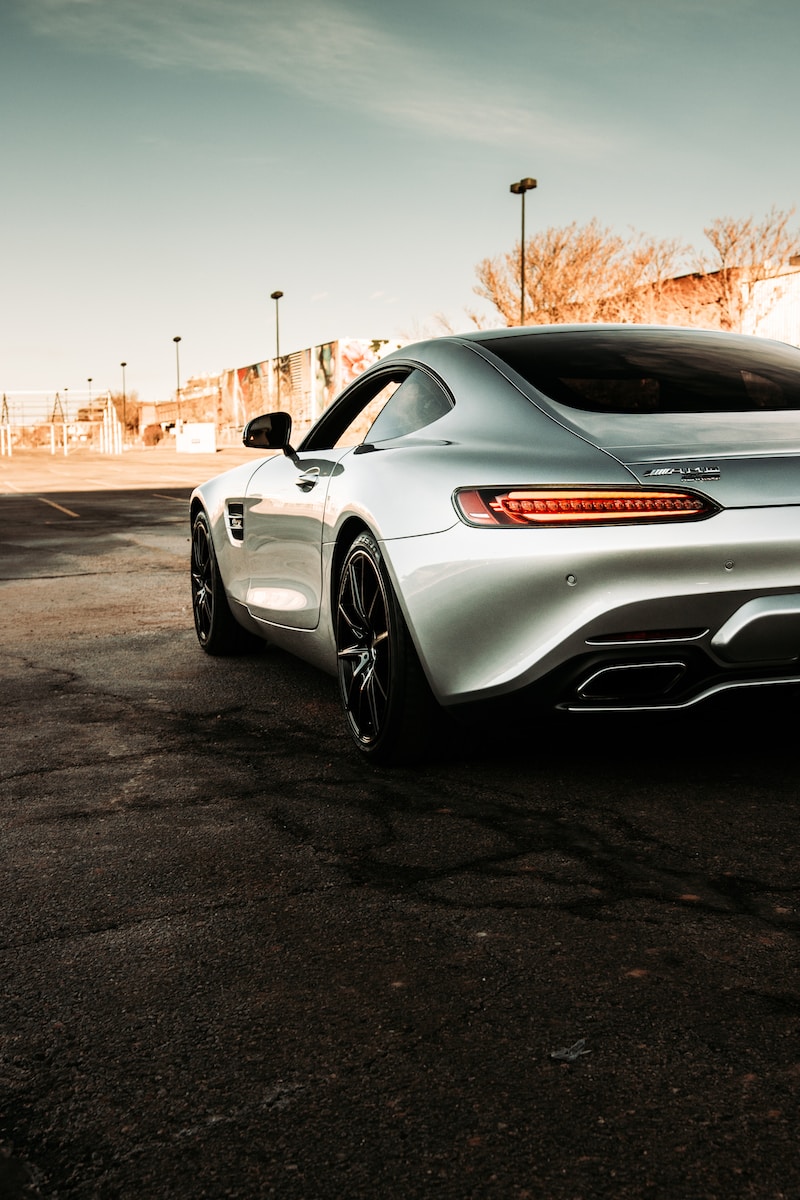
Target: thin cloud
<point x="318" y="49"/>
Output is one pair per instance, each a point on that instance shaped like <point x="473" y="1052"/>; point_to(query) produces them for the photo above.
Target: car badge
<point x="688" y="474"/>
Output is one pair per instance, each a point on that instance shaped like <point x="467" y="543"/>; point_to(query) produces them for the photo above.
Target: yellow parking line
<point x="60" y="507"/>
<point x="174" y="499"/>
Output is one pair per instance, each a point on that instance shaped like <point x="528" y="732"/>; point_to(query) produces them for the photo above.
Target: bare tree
<point x="580" y="273"/>
<point x="129" y="406"/>
<point x="743" y="251"/>
<point x="588" y="273"/>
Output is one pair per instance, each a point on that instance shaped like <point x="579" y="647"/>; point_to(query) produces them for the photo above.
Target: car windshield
<point x="635" y="370"/>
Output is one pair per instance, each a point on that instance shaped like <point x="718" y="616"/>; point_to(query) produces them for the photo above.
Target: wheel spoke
<point x="350" y="652"/>
<point x="348" y="619"/>
<point x="373" y="605"/>
<point x="356" y="592"/>
<point x="372" y="704"/>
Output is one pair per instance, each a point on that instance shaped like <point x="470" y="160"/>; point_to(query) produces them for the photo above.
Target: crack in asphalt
<point x="611" y="871"/>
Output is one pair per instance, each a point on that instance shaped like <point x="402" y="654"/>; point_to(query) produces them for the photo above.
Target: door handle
<point x="308" y="479"/>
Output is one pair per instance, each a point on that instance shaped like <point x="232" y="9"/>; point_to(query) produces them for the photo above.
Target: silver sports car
<point x="586" y="517"/>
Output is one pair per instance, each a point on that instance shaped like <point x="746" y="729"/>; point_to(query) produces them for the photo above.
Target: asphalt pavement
<point x="559" y="961"/>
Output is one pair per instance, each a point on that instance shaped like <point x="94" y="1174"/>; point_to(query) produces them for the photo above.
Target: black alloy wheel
<point x="217" y="630"/>
<point x="386" y="698"/>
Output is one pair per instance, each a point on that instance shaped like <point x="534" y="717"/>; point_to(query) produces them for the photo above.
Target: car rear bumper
<point x="612" y="617"/>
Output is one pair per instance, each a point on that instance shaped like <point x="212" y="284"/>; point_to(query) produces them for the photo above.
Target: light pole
<point x="124" y="421"/>
<point x="177" y="342"/>
<point x="89" y="381"/>
<point x="276" y="296"/>
<point x="519" y="189"/>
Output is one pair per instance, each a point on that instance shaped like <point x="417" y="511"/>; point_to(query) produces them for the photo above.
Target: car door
<point x="284" y="510"/>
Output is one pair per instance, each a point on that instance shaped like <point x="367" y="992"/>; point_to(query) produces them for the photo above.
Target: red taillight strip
<point x="577" y="506"/>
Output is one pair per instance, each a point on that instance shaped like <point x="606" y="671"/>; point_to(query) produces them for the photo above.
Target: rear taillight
<point x="577" y="506"/>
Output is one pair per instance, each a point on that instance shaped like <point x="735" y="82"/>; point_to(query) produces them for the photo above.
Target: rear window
<point x="632" y="370"/>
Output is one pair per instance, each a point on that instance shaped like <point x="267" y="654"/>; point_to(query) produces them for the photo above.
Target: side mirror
<point x="271" y="431"/>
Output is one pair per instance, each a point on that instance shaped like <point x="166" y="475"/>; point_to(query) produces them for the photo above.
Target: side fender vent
<point x="234" y="519"/>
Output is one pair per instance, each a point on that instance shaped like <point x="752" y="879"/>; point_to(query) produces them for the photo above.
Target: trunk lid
<point x="741" y="460"/>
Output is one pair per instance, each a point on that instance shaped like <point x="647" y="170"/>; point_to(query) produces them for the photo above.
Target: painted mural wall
<point x="303" y="383"/>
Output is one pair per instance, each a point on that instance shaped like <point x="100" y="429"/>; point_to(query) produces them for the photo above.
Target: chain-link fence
<point x="59" y="422"/>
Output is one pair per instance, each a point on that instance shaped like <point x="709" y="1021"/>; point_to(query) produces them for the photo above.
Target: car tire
<point x="390" y="710"/>
<point x="217" y="630"/>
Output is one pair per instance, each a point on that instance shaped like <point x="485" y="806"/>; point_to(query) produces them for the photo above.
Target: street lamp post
<point x="89" y="381"/>
<point x="177" y="342"/>
<point x="124" y="420"/>
<point x="519" y="189"/>
<point x="276" y="296"/>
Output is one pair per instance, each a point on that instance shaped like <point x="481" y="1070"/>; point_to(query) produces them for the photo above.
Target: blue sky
<point x="167" y="164"/>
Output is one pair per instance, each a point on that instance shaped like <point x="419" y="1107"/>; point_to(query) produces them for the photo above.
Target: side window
<point x="418" y="401"/>
<point x="355" y="431"/>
